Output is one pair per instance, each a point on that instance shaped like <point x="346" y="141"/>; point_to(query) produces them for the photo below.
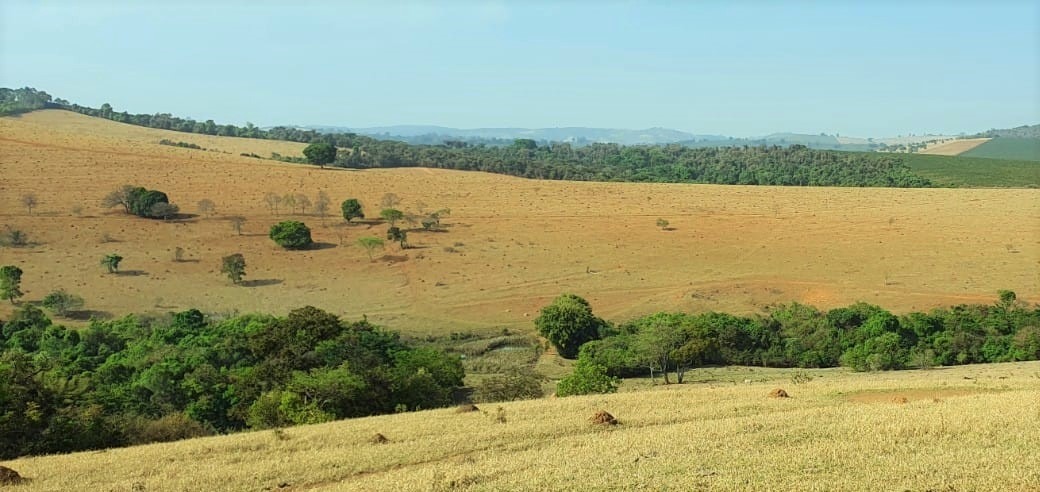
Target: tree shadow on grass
<point x="260" y="282"/>
<point x="132" y="273"/>
<point x="393" y="259"/>
<point x="88" y="314"/>
<point x="319" y="246"/>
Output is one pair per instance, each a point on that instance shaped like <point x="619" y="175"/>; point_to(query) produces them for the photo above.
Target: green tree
<point x="587" y="379"/>
<point x="398" y="235"/>
<point x="351" y="208"/>
<point x="10" y="282"/>
<point x="663" y="224"/>
<point x="568" y="323"/>
<point x="234" y="266"/>
<point x="142" y="200"/>
<point x="391" y="215"/>
<point x="111" y="262"/>
<point x="320" y="153"/>
<point x="291" y="234"/>
<point x="370" y="244"/>
<point x="61" y="303"/>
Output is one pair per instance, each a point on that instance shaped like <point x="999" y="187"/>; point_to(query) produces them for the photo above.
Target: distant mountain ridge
<point x="647" y="136"/>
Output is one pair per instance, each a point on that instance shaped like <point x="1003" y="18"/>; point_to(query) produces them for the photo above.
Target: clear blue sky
<point x="744" y="68"/>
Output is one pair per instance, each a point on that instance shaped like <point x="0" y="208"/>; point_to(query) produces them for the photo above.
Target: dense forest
<point x="751" y="165"/>
<point x="139" y="379"/>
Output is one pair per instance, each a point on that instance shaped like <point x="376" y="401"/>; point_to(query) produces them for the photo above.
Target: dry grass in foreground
<point x="950" y="429"/>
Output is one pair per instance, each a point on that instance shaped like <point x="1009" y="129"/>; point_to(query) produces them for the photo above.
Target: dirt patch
<point x="778" y="393"/>
<point x="466" y="408"/>
<point x="9" y="476"/>
<point x="907" y="396"/>
<point x="603" y="418"/>
<point x="378" y="439"/>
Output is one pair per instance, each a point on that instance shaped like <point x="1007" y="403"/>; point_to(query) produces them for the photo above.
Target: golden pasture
<point x="956" y="428"/>
<point x="511" y="244"/>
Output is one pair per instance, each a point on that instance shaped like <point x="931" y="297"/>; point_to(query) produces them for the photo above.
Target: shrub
<point x="111" y="262"/>
<point x="587" y="379"/>
<point x="351" y="208"/>
<point x="61" y="303"/>
<point x="141" y="201"/>
<point x="291" y="234"/>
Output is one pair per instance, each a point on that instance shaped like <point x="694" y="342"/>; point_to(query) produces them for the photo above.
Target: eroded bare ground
<point x="510" y="244"/>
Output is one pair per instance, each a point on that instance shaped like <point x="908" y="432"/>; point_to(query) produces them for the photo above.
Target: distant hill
<point x="579" y="135"/>
<point x="1024" y="131"/>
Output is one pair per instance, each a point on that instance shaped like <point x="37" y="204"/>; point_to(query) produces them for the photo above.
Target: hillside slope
<point x="510" y="244"/>
<point x="1027" y="149"/>
<point x="962" y="428"/>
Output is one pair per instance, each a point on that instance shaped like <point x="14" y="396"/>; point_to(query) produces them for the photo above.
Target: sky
<point x="744" y="68"/>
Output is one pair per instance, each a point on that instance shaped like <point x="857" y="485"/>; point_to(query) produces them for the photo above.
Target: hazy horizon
<point x="745" y="69"/>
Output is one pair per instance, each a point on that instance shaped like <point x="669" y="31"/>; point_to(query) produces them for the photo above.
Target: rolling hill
<point x="1014" y="148"/>
<point x="511" y="244"/>
<point x="959" y="428"/>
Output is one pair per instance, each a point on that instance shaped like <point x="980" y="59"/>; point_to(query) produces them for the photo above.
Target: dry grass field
<point x="954" y="147"/>
<point x="511" y="244"/>
<point x="948" y="429"/>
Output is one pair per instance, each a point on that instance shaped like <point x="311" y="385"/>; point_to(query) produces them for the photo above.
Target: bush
<point x="351" y="209"/>
<point x="61" y="303"/>
<point x="291" y="234"/>
<point x="587" y="379"/>
<point x="172" y="427"/>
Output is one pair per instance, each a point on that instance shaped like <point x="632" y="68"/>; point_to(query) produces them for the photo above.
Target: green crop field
<point x="975" y="171"/>
<point x="1027" y="149"/>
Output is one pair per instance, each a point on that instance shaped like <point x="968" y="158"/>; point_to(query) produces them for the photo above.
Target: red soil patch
<point x="603" y="418"/>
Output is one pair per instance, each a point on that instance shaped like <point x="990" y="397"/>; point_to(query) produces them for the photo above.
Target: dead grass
<point x="954" y="147"/>
<point x="735" y="248"/>
<point x="708" y="436"/>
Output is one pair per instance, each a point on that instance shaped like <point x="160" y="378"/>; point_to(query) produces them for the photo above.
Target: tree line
<point x="674" y="163"/>
<point x="862" y="336"/>
<point x="142" y="379"/>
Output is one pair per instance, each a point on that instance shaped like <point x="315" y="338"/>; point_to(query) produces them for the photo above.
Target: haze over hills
<point x="433" y="134"/>
<point x="566" y="134"/>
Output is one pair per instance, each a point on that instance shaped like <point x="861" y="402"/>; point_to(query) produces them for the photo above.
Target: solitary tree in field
<point x="663" y="224"/>
<point x="303" y="202"/>
<point x="391" y="216"/>
<point x="273" y="200"/>
<point x="206" y="206"/>
<point x="396" y="234"/>
<point x="291" y="234"/>
<point x="237" y="221"/>
<point x="61" y="303"/>
<point x="390" y="200"/>
<point x="320" y="153"/>
<point x="370" y="244"/>
<point x="10" y="282"/>
<point x="321" y="205"/>
<point x="352" y="209"/>
<point x="234" y="266"/>
<point x="111" y="262"/>
<point x="30" y="201"/>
